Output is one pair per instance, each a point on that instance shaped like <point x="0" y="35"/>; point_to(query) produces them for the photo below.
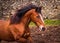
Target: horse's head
<point x="37" y="18"/>
<point x="30" y="11"/>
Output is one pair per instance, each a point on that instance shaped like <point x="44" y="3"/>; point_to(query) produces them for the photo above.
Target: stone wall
<point x="50" y="8"/>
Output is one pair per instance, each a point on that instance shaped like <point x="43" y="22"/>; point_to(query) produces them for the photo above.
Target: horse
<point x="17" y="29"/>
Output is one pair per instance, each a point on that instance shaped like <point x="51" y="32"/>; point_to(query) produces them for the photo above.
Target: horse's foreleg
<point x="22" y="40"/>
<point x="0" y="41"/>
<point x="30" y="39"/>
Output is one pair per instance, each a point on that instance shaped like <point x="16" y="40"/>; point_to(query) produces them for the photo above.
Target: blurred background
<point x="51" y="15"/>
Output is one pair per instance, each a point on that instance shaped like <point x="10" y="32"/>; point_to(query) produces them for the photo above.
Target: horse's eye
<point x="38" y="16"/>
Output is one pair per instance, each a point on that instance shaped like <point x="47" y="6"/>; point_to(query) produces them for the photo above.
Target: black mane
<point x="20" y="13"/>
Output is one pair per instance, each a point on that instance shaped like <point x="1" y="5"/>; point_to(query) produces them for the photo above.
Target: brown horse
<point x="17" y="29"/>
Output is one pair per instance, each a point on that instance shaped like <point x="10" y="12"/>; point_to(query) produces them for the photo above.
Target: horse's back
<point x="4" y="23"/>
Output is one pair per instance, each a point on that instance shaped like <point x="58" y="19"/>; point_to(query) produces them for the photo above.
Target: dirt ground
<point x="51" y="35"/>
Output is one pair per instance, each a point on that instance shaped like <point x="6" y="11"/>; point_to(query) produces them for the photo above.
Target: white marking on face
<point x="40" y="27"/>
<point x="41" y="18"/>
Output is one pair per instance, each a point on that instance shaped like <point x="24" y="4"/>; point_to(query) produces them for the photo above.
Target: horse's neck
<point x="25" y="20"/>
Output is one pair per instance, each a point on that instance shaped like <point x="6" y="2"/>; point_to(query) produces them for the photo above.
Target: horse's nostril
<point x="43" y="29"/>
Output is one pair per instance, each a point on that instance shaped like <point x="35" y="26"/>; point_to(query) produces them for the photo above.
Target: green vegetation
<point x="48" y="23"/>
<point x="52" y="22"/>
<point x="32" y="24"/>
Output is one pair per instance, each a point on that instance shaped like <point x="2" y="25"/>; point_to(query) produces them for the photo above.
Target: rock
<point x="50" y="8"/>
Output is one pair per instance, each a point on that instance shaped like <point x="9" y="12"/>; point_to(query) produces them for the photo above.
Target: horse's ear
<point x="38" y="9"/>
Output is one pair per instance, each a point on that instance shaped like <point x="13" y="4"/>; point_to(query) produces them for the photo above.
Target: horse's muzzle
<point x="42" y="28"/>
